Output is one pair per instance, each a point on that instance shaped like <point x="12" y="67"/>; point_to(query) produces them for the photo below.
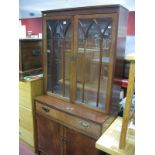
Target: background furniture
<point x="83" y="51"/>
<point x="27" y="91"/>
<point x="30" y="57"/>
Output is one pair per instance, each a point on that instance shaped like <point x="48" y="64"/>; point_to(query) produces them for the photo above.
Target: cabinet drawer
<point x="25" y="102"/>
<point x="25" y="92"/>
<point x="25" y="86"/>
<point x="26" y="119"/>
<point x="25" y="99"/>
<point x="87" y="127"/>
<point x="26" y="136"/>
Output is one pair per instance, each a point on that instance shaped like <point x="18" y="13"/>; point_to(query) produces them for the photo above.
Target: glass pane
<point x="58" y="47"/>
<point x="94" y="41"/>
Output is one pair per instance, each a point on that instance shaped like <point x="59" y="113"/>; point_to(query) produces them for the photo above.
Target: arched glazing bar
<point x="52" y="54"/>
<point x="100" y="64"/>
<point x="63" y="57"/>
<point x="53" y="30"/>
<point x="50" y="47"/>
<point x="84" y="55"/>
<point x="101" y="30"/>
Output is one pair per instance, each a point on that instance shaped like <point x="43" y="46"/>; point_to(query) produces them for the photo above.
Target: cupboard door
<point x="58" y="47"/>
<point x="49" y="136"/>
<point x="76" y="143"/>
<point x="94" y="49"/>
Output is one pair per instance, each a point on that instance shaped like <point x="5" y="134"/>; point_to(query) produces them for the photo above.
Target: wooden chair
<point x="117" y="140"/>
<point x="130" y="91"/>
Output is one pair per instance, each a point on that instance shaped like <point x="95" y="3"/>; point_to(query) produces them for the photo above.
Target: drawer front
<point x="25" y="99"/>
<point x="25" y="86"/>
<point x="87" y="127"/>
<point x="26" y="118"/>
<point x="26" y="136"/>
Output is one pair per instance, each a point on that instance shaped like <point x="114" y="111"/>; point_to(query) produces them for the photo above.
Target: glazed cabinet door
<point x="95" y="42"/>
<point x="79" y="59"/>
<point x="78" y="144"/>
<point x="57" y="49"/>
<point x="49" y="137"/>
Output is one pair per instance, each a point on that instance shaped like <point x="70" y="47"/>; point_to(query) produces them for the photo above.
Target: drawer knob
<point x="45" y="109"/>
<point x="84" y="124"/>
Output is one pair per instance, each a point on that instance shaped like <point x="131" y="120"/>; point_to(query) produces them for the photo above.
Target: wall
<point x="35" y="24"/>
<point x="131" y="23"/>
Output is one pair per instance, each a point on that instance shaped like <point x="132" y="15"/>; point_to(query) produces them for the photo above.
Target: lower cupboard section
<point x="56" y="139"/>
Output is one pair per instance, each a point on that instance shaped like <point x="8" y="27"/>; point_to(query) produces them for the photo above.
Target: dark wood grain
<point x="121" y="40"/>
<point x="118" y="14"/>
<point x="84" y="126"/>
<point x="82" y="112"/>
<point x="84" y="10"/>
<point x="59" y="118"/>
<point x="27" y="60"/>
<point x="49" y="136"/>
<point x="79" y="144"/>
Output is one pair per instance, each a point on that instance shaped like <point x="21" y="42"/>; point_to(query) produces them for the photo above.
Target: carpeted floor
<point x="25" y="150"/>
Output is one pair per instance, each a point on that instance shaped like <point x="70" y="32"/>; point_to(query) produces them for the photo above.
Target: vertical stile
<point x="73" y="62"/>
<point x="63" y="66"/>
<point x="52" y="53"/>
<point x="99" y="77"/>
<point x="111" y="65"/>
<point x="83" y="82"/>
<point x="44" y="48"/>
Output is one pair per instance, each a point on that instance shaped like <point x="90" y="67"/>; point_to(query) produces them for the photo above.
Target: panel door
<point x="76" y="143"/>
<point x="49" y="136"/>
<point x="95" y="43"/>
<point x="57" y="47"/>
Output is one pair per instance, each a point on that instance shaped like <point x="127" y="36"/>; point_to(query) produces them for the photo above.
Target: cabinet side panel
<point x="37" y="88"/>
<point x="120" y="53"/>
<point x="121" y="41"/>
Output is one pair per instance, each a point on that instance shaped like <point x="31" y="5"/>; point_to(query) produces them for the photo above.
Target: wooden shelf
<point x="92" y="87"/>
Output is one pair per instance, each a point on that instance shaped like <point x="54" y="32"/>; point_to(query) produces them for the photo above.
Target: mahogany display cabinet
<point x="83" y="51"/>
